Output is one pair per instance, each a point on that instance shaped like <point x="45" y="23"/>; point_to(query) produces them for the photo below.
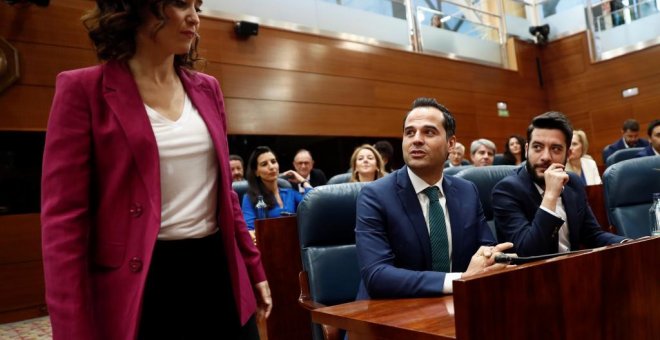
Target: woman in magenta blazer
<point x="142" y="235"/>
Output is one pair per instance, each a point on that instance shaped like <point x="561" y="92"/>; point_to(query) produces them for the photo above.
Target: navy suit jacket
<point x="316" y="178"/>
<point x="648" y="151"/>
<point x="534" y="231"/>
<point x="618" y="145"/>
<point x="393" y="244"/>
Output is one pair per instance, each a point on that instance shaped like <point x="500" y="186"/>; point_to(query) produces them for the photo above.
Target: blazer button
<point x="135" y="265"/>
<point x="136" y="209"/>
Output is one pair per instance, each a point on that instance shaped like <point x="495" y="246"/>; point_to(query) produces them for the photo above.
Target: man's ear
<point x="451" y="142"/>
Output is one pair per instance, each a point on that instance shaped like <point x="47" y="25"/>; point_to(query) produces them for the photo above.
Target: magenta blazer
<point x="101" y="202"/>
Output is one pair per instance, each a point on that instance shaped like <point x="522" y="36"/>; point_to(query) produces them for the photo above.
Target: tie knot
<point x="432" y="192"/>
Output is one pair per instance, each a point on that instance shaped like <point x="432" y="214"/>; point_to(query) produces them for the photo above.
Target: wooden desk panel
<point x="425" y="318"/>
<point x="607" y="293"/>
<point x="277" y="240"/>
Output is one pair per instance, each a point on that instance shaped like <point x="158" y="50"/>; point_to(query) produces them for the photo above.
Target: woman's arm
<point x="65" y="213"/>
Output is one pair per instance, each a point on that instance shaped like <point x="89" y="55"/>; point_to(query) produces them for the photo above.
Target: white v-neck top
<point x="188" y="174"/>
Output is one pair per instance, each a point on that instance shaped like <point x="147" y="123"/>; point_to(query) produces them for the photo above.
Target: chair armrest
<point x="304" y="300"/>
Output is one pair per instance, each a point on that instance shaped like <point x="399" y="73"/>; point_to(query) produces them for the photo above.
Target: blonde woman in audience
<point x="366" y="164"/>
<point x="581" y="163"/>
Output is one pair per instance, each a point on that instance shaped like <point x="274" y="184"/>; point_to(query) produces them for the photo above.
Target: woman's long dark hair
<point x="112" y="26"/>
<point x="256" y="187"/>
<point x="509" y="158"/>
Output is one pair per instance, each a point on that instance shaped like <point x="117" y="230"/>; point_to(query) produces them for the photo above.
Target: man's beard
<point x="540" y="180"/>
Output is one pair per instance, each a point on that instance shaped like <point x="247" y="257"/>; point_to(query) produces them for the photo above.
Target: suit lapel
<point x="456" y="218"/>
<point x="569" y="200"/>
<point x="410" y="202"/>
<point x="121" y="93"/>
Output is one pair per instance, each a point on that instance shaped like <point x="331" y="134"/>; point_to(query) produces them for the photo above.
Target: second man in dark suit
<point x="542" y="208"/>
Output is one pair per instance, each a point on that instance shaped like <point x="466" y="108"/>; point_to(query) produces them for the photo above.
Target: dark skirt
<point x="188" y="293"/>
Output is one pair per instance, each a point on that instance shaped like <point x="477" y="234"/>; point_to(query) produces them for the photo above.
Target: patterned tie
<point x="439" y="242"/>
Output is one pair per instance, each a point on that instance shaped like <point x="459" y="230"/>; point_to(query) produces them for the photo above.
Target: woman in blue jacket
<point x="262" y="174"/>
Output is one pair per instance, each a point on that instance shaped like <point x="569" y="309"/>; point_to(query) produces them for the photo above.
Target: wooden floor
<point x="32" y="329"/>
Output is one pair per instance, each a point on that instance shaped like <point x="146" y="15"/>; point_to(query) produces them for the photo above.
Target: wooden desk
<point x="608" y="293"/>
<point x="429" y="318"/>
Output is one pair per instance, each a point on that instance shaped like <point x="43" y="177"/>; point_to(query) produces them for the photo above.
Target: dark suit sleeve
<point x="376" y="258"/>
<point x="319" y="177"/>
<point x="533" y="231"/>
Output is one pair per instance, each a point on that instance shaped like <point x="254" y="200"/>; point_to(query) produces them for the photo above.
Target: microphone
<point x="509" y="259"/>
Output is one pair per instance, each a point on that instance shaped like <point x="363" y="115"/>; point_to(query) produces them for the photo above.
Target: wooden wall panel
<point x="590" y="93"/>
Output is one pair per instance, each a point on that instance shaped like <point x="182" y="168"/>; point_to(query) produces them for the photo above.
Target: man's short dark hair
<point x="630" y="124"/>
<point x="652" y="126"/>
<point x="449" y="123"/>
<point x="551" y="120"/>
<point x="236" y="158"/>
<point x="384" y="148"/>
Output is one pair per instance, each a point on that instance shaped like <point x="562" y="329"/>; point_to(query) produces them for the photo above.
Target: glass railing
<point x="461" y="31"/>
<point x="620" y="27"/>
<point x="474" y="30"/>
<point x="402" y="24"/>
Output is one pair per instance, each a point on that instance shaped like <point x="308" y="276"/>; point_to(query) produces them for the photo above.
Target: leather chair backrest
<point x="629" y="186"/>
<point x="622" y="155"/>
<point x="485" y="178"/>
<point x="498" y="159"/>
<point x="241" y="187"/>
<point x="340" y="178"/>
<point x="451" y="171"/>
<point x="326" y="230"/>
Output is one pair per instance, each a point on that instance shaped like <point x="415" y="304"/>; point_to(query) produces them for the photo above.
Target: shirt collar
<point x="419" y="184"/>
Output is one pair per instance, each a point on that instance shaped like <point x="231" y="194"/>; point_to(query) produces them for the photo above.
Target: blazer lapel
<point x="121" y="93"/>
<point x="412" y="209"/>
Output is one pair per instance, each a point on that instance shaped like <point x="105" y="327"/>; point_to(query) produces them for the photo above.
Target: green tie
<point x="439" y="241"/>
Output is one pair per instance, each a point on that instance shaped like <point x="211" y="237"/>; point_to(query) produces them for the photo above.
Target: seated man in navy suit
<point x="542" y="208"/>
<point x="630" y="139"/>
<point x="416" y="230"/>
<point x="653" y="149"/>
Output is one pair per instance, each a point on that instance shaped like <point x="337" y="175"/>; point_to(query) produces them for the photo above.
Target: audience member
<point x="386" y="152"/>
<point x="653" y="149"/>
<point x="579" y="162"/>
<point x="236" y="167"/>
<point x="366" y="164"/>
<point x="304" y="165"/>
<point x="541" y="208"/>
<point x="137" y="243"/>
<point x="483" y="152"/>
<point x="630" y="139"/>
<point x="513" y="150"/>
<point x="417" y="231"/>
<point x="436" y="21"/>
<point x="262" y="174"/>
<point x="456" y="156"/>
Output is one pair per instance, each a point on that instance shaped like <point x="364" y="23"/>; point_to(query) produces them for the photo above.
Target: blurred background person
<point x="236" y="167"/>
<point x="483" y="152"/>
<point x="304" y="165"/>
<point x="513" y="150"/>
<point x="436" y="21"/>
<point x="262" y="174"/>
<point x="579" y="162"/>
<point x="386" y="152"/>
<point x="366" y="164"/>
<point x="456" y="156"/>
<point x="142" y="234"/>
<point x="653" y="149"/>
<point x="629" y="139"/>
